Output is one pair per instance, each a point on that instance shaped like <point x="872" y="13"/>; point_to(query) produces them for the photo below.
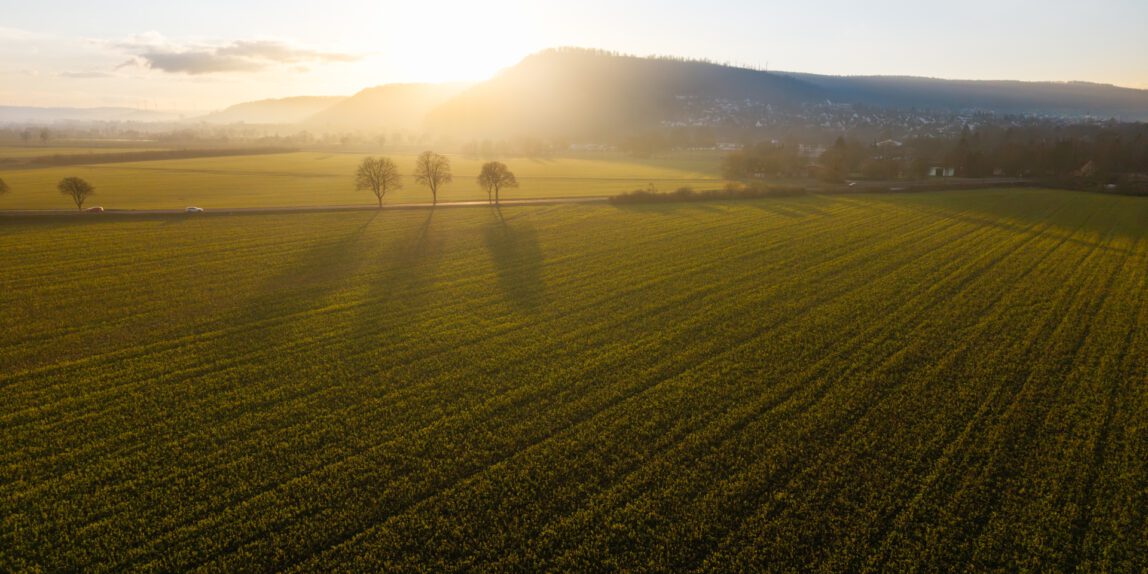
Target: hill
<point x="275" y="111"/>
<point x="390" y="106"/>
<point x="576" y="93"/>
<point x="1007" y="96"/>
<point x="587" y="93"/>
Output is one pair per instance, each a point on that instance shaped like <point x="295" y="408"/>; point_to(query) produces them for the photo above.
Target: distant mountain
<point x="35" y="115"/>
<point x="278" y="111"/>
<point x="1047" y="98"/>
<point x="390" y="106"/>
<point x="576" y="93"/>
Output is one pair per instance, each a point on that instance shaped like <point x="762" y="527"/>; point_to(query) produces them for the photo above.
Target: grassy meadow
<point x="941" y="381"/>
<point x="315" y="178"/>
<point x="34" y="151"/>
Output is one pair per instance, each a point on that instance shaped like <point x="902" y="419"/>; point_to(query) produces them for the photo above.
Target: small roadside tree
<point x="4" y="187"/>
<point x="433" y="171"/>
<point x="77" y="189"/>
<point x="495" y="176"/>
<point x="379" y="175"/>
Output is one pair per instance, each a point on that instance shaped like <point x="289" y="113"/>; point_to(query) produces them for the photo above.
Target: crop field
<point x="310" y="178"/>
<point x="25" y="152"/>
<point x="943" y="381"/>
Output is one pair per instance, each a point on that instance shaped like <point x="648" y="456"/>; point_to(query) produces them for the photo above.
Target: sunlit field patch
<point x="311" y="178"/>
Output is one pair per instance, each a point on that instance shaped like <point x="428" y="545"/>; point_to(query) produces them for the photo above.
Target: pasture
<point x="34" y="151"/>
<point x="940" y="381"/>
<point x="317" y="179"/>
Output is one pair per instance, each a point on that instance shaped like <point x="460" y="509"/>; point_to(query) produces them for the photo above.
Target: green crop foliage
<point x="942" y="381"/>
<point x="309" y="178"/>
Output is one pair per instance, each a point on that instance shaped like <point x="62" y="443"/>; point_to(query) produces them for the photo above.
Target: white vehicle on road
<point x="194" y="209"/>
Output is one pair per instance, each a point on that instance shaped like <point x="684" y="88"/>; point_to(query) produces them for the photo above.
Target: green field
<point x="28" y="152"/>
<point x="944" y="381"/>
<point x="311" y="178"/>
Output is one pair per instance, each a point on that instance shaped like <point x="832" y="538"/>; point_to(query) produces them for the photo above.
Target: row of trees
<point x="44" y="133"/>
<point x="380" y="175"/>
<point x="376" y="174"/>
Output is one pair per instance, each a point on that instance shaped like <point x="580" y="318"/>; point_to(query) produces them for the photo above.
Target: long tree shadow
<point x="406" y="269"/>
<point x="397" y="292"/>
<point x="283" y="306"/>
<point x="517" y="258"/>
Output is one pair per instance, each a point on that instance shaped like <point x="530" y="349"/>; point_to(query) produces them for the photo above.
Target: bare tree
<point x="4" y="187"/>
<point x="379" y="175"/>
<point x="77" y="189"/>
<point x="495" y="176"/>
<point x="433" y="171"/>
<point x="45" y="135"/>
<point x="26" y="135"/>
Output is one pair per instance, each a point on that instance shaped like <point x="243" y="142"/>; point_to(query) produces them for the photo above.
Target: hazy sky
<point x="208" y="54"/>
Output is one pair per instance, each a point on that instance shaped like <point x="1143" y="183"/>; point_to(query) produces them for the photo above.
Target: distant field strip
<point x="34" y="151"/>
<point x="941" y="381"/>
<point x="310" y="178"/>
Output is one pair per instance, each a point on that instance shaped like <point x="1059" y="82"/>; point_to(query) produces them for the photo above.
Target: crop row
<point x="930" y="381"/>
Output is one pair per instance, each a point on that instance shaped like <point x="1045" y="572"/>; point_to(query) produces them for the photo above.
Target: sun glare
<point x="473" y="41"/>
<point x="455" y="64"/>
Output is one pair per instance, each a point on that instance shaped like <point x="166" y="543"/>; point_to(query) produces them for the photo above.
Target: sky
<point x="209" y="54"/>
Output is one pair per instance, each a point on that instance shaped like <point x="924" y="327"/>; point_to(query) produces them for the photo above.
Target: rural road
<point x="208" y="210"/>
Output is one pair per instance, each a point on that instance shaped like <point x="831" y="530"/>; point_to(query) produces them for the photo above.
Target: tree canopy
<point x="495" y="176"/>
<point x="77" y="189"/>
<point x="432" y="170"/>
<point x="378" y="175"/>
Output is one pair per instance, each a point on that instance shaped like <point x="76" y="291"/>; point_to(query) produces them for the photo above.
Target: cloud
<point x="194" y="63"/>
<point x="280" y="52"/>
<point x="155" y="52"/>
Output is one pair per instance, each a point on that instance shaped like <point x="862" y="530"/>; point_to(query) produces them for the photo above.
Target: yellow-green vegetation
<point x="310" y="178"/>
<point x="935" y="382"/>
